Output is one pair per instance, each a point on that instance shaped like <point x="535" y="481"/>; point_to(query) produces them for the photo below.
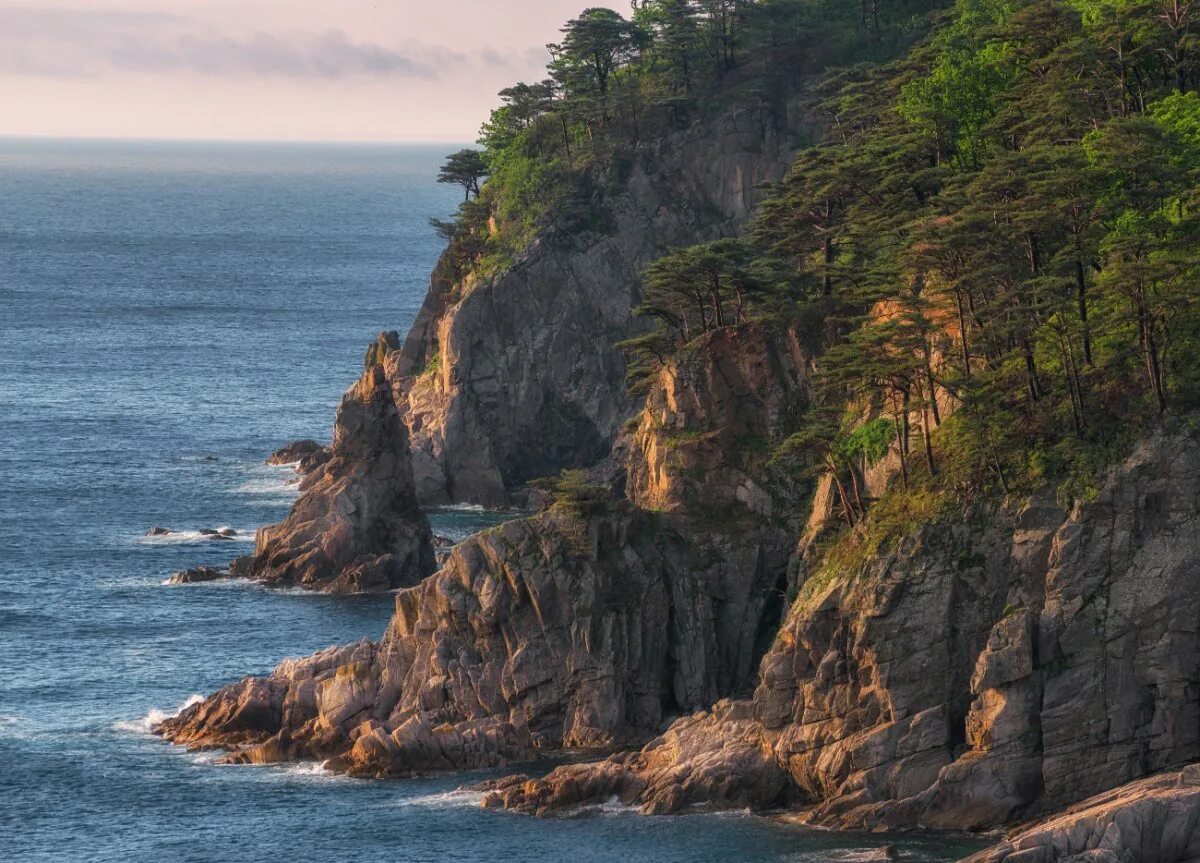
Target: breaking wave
<point x="146" y="724"/>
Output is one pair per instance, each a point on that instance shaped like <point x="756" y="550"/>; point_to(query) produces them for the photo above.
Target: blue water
<point x="169" y="314"/>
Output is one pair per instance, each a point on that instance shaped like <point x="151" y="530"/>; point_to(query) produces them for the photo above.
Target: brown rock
<point x="306" y="455"/>
<point x="356" y="526"/>
<point x="1155" y="820"/>
<point x="993" y="665"/>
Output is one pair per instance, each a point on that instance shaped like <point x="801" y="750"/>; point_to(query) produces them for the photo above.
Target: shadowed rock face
<point x="527" y="379"/>
<point x="1007" y="664"/>
<point x="356" y="526"/>
<point x="576" y="628"/>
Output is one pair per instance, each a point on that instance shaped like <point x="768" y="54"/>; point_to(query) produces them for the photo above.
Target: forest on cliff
<point x="995" y="223"/>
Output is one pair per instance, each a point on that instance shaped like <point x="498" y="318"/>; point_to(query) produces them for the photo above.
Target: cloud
<point x="63" y="42"/>
<point x="330" y="55"/>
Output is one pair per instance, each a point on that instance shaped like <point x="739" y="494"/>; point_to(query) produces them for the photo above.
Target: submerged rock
<point x="198" y="574"/>
<point x="159" y="531"/>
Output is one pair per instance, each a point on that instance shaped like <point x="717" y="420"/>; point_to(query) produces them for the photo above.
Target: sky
<point x="310" y="70"/>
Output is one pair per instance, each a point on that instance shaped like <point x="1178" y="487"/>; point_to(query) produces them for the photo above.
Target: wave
<point x="11" y="727"/>
<point x="459" y="798"/>
<point x="269" y="485"/>
<point x="146" y="724"/>
<point x="184" y="537"/>
<point x="461" y="507"/>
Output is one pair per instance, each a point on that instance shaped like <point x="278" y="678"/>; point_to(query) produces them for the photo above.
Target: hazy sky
<point x="292" y="69"/>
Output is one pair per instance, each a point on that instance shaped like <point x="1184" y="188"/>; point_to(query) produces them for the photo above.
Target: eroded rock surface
<point x="577" y="627"/>
<point x="357" y="526"/>
<point x="993" y="666"/>
<point x="517" y="377"/>
<point x="1155" y="819"/>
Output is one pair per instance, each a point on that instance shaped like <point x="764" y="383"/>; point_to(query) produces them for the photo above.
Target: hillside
<point x="870" y="493"/>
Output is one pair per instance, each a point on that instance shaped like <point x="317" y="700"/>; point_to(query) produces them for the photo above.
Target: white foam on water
<point x="461" y="507"/>
<point x="306" y="771"/>
<point x="271" y="483"/>
<point x="146" y="724"/>
<point x="611" y="806"/>
<point x="11" y="727"/>
<point x="184" y="537"/>
<point x="459" y="798"/>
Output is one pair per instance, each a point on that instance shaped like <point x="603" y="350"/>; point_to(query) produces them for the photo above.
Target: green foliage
<point x="570" y="491"/>
<point x="615" y="86"/>
<point x="431" y="367"/>
<point x="870" y="441"/>
<point x="464" y="168"/>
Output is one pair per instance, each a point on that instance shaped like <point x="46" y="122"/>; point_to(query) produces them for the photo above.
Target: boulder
<point x="306" y="455"/>
<point x="197" y="574"/>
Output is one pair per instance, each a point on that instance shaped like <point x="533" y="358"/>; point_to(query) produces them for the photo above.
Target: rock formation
<point x="357" y="526"/>
<point x="1155" y="819"/>
<point x="516" y="377"/>
<point x="307" y="455"/>
<point x="581" y="626"/>
<point x="992" y="666"/>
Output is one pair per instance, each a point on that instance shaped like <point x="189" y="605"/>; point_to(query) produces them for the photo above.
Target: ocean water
<point x="169" y="314"/>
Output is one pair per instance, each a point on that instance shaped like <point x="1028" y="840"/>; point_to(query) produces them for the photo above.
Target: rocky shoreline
<point x="1002" y="661"/>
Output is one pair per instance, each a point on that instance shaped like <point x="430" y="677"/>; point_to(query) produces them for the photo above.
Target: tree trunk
<point x="1081" y="297"/>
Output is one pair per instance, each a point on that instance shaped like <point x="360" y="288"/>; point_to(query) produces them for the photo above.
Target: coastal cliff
<point x="589" y="624"/>
<point x="357" y="526"/>
<point x="527" y="379"/>
<point x="997" y="664"/>
<point x="894" y="523"/>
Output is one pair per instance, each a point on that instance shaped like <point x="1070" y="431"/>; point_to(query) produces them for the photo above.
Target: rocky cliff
<point x="516" y="377"/>
<point x="589" y="624"/>
<point x="357" y="526"/>
<point x="999" y="664"/>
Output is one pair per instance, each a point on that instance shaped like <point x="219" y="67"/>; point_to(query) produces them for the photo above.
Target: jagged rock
<point x="386" y="342"/>
<point x="307" y="455"/>
<point x="512" y="396"/>
<point x="356" y="526"/>
<point x="586" y="625"/>
<point x="159" y="531"/>
<point x="1156" y="820"/>
<point x="197" y="574"/>
<point x="996" y="664"/>
<point x="688" y="766"/>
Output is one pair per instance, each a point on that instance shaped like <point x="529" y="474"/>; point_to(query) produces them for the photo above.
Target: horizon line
<point x="164" y="139"/>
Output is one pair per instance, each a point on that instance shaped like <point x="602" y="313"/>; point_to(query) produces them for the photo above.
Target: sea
<point x="170" y="313"/>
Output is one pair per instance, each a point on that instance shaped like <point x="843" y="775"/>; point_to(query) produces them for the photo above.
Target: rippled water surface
<point x="169" y="314"/>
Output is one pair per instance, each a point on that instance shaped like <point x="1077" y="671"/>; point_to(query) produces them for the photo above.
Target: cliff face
<point x="576" y="627"/>
<point x="1004" y="664"/>
<point x="526" y="379"/>
<point x="356" y="526"/>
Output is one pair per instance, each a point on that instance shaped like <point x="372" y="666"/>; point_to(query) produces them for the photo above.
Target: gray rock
<point x="528" y="380"/>
<point x="198" y="574"/>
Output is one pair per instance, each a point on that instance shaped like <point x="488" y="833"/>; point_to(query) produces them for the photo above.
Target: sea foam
<point x="184" y="537"/>
<point x="459" y="798"/>
<point x="146" y="724"/>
